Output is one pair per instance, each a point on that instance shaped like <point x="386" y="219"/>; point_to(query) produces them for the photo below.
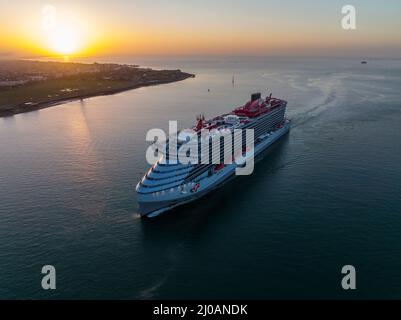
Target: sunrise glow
<point x="65" y="41"/>
<point x="192" y="28"/>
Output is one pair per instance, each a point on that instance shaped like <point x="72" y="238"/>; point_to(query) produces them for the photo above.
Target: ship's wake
<point x="173" y="257"/>
<point x="315" y="95"/>
<point x="325" y="92"/>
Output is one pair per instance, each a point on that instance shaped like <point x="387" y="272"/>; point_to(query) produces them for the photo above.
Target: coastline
<point x="22" y="108"/>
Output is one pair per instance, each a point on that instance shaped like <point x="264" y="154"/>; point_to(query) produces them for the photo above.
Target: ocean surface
<point x="327" y="195"/>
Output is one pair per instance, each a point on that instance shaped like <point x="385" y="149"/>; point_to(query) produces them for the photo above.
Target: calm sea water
<point x="327" y="195"/>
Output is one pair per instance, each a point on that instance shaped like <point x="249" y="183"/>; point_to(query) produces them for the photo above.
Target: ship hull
<point x="150" y="207"/>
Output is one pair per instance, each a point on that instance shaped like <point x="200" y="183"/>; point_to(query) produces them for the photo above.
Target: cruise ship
<point x="169" y="183"/>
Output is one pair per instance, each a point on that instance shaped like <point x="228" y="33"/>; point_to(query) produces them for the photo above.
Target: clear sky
<point x="198" y="27"/>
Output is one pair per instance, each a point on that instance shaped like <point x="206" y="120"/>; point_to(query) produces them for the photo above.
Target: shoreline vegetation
<point x="32" y="85"/>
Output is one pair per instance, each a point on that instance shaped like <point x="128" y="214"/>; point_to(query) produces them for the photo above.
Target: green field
<point x="106" y="79"/>
<point x="49" y="90"/>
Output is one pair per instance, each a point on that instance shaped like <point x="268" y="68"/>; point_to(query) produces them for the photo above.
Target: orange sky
<point x="160" y="27"/>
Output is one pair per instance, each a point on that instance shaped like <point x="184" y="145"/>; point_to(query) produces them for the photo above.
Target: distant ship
<point x="364" y="62"/>
<point x="167" y="185"/>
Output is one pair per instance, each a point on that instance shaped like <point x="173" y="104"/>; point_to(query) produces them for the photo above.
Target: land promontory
<point x="27" y="85"/>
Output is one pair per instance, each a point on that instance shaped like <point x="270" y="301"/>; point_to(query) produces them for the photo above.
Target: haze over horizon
<point x="253" y="28"/>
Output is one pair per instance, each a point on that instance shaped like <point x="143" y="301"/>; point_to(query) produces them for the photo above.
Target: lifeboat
<point x="218" y="167"/>
<point x="195" y="187"/>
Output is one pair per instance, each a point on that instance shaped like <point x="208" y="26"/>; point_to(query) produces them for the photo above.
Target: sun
<point x="62" y="31"/>
<point x="65" y="40"/>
